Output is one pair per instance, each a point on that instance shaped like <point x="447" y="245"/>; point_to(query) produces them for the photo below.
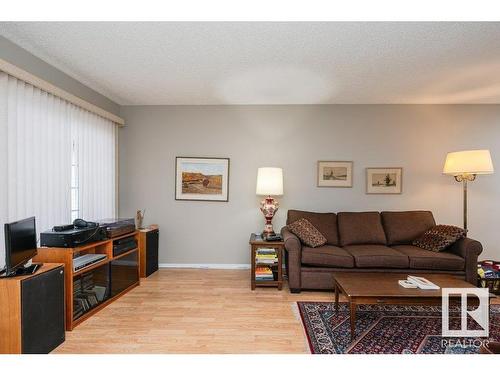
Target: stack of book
<point x="263" y="273"/>
<point x="266" y="256"/>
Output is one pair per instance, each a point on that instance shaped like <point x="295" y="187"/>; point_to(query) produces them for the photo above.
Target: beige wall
<point x="295" y="138"/>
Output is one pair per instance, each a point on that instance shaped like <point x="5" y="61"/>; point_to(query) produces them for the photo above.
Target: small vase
<point x="139" y="217"/>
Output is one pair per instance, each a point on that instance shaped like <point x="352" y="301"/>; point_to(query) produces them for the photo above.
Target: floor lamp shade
<point x="468" y="162"/>
<point x="465" y="166"/>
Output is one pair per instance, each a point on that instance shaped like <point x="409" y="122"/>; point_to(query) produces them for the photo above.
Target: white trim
<point x="54" y="90"/>
<point x="211" y="266"/>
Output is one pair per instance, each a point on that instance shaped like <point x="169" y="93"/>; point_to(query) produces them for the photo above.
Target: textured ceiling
<point x="272" y="63"/>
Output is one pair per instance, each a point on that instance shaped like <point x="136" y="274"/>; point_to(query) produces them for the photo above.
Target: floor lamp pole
<point x="465" y="204"/>
<point x="464" y="179"/>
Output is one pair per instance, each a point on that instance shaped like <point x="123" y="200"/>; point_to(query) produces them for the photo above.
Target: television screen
<point x="20" y="243"/>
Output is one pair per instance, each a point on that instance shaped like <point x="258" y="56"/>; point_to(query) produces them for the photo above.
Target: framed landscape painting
<point x="335" y="174"/>
<point x="384" y="180"/>
<point x="202" y="179"/>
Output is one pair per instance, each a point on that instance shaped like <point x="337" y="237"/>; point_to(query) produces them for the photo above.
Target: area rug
<point x="387" y="329"/>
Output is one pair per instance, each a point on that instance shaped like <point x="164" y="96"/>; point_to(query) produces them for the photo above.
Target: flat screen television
<point x="20" y="243"/>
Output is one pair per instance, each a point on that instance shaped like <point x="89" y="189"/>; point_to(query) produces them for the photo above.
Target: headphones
<point x="80" y="223"/>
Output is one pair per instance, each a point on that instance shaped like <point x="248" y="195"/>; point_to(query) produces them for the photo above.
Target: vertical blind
<point x="95" y="140"/>
<point x="41" y="135"/>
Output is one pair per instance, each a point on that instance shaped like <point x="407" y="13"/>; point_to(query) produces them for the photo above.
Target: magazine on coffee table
<point x="418" y="282"/>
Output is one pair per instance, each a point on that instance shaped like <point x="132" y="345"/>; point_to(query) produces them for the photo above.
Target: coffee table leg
<point x="352" y="313"/>
<point x="336" y="297"/>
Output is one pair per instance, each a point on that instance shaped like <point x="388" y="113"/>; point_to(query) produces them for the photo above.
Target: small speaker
<point x="42" y="315"/>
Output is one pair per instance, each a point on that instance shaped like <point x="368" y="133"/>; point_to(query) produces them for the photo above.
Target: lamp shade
<point x="468" y="162"/>
<point x="269" y="181"/>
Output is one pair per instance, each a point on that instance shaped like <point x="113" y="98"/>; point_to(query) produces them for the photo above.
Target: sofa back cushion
<point x="401" y="228"/>
<point x="325" y="223"/>
<point x="360" y="228"/>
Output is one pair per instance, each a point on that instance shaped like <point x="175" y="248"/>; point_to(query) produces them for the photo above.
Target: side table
<point x="258" y="243"/>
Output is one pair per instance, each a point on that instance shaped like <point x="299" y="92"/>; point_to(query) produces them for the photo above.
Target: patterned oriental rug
<point x="388" y="329"/>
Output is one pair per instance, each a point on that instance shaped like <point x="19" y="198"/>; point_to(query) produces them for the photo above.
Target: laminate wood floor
<point x="195" y="311"/>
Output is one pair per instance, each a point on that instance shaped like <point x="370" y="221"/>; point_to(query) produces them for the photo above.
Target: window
<point x="57" y="160"/>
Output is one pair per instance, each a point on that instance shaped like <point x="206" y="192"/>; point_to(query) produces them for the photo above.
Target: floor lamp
<point x="465" y="166"/>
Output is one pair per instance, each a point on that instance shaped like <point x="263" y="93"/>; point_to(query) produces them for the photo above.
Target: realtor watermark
<point x="480" y="315"/>
<point x="464" y="343"/>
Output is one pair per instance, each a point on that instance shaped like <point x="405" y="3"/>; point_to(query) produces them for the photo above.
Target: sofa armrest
<point x="468" y="249"/>
<point x="293" y="249"/>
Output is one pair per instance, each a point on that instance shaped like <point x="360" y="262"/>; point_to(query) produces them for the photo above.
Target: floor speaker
<point x="152" y="241"/>
<point x="42" y="321"/>
<point x="148" y="250"/>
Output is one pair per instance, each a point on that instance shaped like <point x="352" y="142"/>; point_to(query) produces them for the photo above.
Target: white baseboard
<point x="211" y="266"/>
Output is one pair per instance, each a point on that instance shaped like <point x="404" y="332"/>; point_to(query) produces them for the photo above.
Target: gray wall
<point x="295" y="138"/>
<point x="23" y="59"/>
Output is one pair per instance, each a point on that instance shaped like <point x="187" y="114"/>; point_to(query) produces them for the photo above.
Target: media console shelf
<point x="92" y="288"/>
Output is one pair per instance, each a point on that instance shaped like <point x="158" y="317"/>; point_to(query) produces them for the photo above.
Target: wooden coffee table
<point x="383" y="288"/>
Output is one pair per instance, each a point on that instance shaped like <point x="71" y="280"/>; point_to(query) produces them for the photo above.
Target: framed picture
<point x="384" y="180"/>
<point x="335" y="174"/>
<point x="202" y="179"/>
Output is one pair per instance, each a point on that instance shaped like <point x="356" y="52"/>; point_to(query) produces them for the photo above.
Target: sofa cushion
<point x="357" y="228"/>
<point x="326" y="223"/>
<point x="377" y="256"/>
<point x="439" y="237"/>
<point x="401" y="228"/>
<point x="307" y="233"/>
<point x="327" y="256"/>
<point x="429" y="260"/>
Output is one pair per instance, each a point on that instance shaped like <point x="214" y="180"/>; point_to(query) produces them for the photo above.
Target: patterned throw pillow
<point x="307" y="233"/>
<point x="439" y="237"/>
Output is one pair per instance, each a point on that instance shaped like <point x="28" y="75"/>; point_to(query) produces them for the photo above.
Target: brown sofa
<point x="371" y="242"/>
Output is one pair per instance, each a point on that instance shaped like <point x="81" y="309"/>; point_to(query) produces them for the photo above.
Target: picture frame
<point x="334" y="174"/>
<point x="384" y="180"/>
<point x="202" y="179"/>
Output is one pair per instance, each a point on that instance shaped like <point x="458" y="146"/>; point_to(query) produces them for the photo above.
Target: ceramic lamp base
<point x="268" y="230"/>
<point x="269" y="206"/>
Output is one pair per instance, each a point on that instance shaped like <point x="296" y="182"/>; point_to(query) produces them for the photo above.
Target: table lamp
<point x="269" y="182"/>
<point x="465" y="166"/>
